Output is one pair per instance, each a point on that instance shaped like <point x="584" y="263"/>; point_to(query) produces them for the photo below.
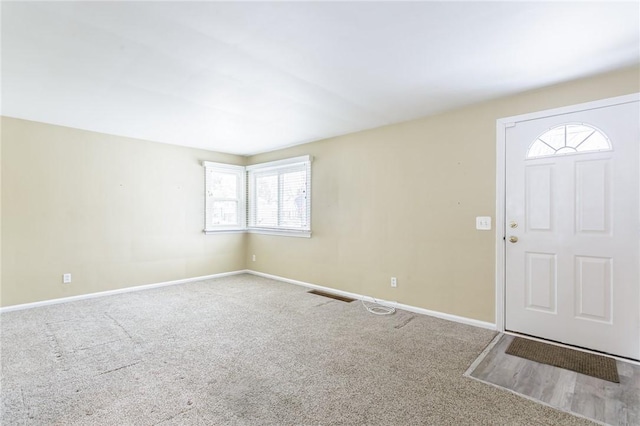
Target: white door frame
<point x="501" y="125"/>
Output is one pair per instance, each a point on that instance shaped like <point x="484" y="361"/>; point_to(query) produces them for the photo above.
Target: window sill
<point x="281" y="232"/>
<point x="224" y="231"/>
<point x="264" y="231"/>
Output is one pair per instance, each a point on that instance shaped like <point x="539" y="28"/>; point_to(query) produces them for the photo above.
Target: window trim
<point x="281" y="232"/>
<point x="245" y="204"/>
<point x="239" y="171"/>
<point x="280" y="163"/>
<point x="303" y="161"/>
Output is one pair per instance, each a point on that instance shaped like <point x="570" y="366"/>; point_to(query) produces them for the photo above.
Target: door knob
<point x="513" y="239"/>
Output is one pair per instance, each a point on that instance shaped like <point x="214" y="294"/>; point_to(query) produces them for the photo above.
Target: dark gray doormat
<point x="598" y="366"/>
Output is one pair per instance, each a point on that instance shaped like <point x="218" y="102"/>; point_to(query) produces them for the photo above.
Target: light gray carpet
<point x="245" y="350"/>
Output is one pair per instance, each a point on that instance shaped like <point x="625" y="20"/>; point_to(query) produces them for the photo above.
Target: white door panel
<point x="573" y="270"/>
<point x="540" y="281"/>
<point x="593" y="197"/>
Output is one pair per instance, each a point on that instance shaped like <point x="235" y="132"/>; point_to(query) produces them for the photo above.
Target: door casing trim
<point x="501" y="164"/>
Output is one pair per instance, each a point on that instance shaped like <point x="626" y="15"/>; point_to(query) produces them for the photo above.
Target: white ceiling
<point x="245" y="78"/>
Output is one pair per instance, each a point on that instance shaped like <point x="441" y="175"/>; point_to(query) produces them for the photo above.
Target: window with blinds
<point x="272" y="197"/>
<point x="279" y="195"/>
<point x="224" y="197"/>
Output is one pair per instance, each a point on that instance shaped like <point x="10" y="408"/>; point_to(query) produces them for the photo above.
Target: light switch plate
<point x="483" y="223"/>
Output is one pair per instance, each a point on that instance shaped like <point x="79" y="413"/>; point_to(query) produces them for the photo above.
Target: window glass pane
<point x="595" y="142"/>
<point x="539" y="149"/>
<point x="577" y="133"/>
<point x="554" y="137"/>
<point x="224" y="185"/>
<point x="225" y="213"/>
<point x="569" y="139"/>
<point x="279" y="195"/>
<point x="224" y="197"/>
<point x="294" y="199"/>
<point x="266" y="208"/>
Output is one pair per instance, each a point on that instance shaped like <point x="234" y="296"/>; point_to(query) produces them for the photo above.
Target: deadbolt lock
<point x="513" y="225"/>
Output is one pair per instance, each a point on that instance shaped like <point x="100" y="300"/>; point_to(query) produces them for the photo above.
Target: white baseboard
<point x="118" y="291"/>
<point x="442" y="315"/>
<point x="449" y="317"/>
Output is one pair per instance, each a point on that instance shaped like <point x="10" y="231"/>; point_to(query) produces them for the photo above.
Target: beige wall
<point x="402" y="200"/>
<point x="112" y="211"/>
<point x="395" y="201"/>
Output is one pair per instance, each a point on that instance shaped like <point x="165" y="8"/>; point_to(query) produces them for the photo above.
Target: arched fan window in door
<point x="569" y="139"/>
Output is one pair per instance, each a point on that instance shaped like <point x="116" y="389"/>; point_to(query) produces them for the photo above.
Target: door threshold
<point x="577" y="348"/>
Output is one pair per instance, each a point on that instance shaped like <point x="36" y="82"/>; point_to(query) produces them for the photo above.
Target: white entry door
<point x="572" y="228"/>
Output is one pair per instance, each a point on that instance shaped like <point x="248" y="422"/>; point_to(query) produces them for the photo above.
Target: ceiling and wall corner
<point x="247" y="77"/>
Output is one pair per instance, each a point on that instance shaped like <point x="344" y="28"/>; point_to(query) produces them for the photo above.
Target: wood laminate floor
<point x="599" y="400"/>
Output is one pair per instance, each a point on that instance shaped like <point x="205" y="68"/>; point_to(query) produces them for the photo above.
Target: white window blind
<point x="280" y="195"/>
<point x="224" y="197"/>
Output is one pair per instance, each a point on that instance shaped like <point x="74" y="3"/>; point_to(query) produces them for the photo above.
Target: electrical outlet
<point x="66" y="278"/>
<point x="394" y="282"/>
<point x="253" y="257"/>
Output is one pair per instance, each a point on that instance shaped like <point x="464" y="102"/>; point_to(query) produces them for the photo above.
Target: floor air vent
<point x="332" y="296"/>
